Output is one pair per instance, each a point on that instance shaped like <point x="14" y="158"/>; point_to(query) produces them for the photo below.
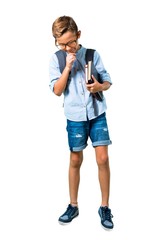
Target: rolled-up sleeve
<point x="105" y="76"/>
<point x="54" y="71"/>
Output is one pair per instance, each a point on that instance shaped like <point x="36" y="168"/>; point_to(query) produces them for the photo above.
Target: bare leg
<point x="76" y="159"/>
<point x="103" y="172"/>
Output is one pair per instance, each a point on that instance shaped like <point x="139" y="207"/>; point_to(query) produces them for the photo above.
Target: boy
<point x="84" y="113"/>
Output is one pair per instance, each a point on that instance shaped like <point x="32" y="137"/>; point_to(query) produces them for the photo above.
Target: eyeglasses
<point x="69" y="44"/>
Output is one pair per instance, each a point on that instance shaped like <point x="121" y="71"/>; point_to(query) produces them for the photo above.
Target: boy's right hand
<point x="71" y="57"/>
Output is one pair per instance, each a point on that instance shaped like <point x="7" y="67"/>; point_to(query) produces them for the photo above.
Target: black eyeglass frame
<point x="64" y="45"/>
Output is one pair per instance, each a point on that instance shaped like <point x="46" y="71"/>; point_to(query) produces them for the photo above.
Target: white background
<point x="34" y="154"/>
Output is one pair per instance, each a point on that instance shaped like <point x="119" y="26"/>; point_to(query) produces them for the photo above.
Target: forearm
<point x="61" y="83"/>
<point x="105" y="86"/>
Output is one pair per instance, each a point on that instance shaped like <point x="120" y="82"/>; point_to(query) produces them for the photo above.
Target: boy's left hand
<point x="95" y="86"/>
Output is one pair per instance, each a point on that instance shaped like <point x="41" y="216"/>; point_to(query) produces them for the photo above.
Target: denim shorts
<point x="96" y="129"/>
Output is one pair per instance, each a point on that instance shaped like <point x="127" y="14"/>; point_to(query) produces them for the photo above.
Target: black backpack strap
<point x="61" y="55"/>
<point x="89" y="55"/>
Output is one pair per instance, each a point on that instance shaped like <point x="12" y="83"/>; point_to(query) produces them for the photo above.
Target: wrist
<point x="67" y="69"/>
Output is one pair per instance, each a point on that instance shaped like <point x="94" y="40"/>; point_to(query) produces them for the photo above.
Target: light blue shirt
<point x="79" y="104"/>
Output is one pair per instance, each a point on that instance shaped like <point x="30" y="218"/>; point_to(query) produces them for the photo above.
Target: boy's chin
<point x="72" y="51"/>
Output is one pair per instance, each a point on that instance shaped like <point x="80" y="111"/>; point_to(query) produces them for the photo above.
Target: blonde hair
<point x="63" y="24"/>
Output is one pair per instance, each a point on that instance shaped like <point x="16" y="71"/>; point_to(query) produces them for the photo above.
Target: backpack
<point x="61" y="55"/>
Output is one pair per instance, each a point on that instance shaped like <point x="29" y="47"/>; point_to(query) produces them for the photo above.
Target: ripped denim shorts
<point x="96" y="129"/>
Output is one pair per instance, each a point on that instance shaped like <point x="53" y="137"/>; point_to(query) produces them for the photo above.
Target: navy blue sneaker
<point x="106" y="217"/>
<point x="69" y="214"/>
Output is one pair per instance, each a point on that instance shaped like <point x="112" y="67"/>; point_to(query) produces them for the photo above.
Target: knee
<point x="103" y="161"/>
<point x="76" y="160"/>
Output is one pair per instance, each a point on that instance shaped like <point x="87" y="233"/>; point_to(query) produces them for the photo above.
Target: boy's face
<point x="68" y="42"/>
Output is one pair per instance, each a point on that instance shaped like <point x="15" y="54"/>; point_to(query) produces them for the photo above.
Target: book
<point x="89" y="80"/>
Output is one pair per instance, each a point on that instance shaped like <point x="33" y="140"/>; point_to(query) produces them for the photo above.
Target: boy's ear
<point x="79" y="34"/>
